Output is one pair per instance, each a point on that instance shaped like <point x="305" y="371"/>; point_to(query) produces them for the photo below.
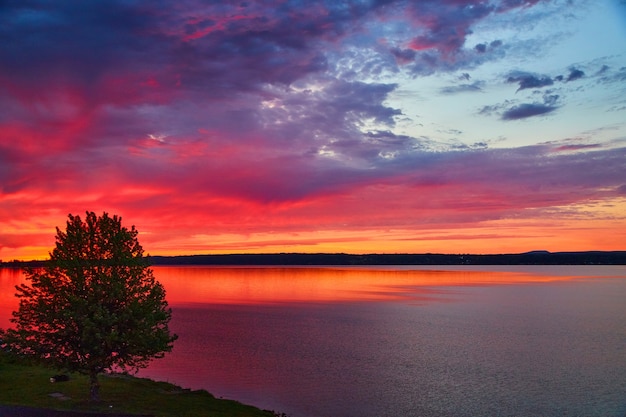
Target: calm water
<point x="458" y="341"/>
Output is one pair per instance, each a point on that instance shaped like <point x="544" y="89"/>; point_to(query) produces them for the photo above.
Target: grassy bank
<point x="30" y="386"/>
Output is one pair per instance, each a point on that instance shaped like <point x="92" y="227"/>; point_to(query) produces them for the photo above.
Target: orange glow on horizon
<point x="591" y="227"/>
<point x="504" y="236"/>
<point x="500" y="237"/>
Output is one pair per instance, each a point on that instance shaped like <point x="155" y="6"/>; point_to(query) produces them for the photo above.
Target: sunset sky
<point x="450" y="126"/>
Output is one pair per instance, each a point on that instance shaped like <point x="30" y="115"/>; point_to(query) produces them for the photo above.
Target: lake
<point x="397" y="341"/>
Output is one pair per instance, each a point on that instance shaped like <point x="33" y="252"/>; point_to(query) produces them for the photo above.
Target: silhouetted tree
<point x="94" y="306"/>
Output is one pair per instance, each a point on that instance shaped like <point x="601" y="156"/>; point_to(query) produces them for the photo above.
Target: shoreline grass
<point x="29" y="385"/>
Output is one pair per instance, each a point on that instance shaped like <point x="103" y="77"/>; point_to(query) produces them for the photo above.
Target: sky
<point x="441" y="126"/>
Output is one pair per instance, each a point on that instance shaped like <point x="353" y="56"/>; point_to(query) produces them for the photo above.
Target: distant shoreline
<point x="529" y="258"/>
<point x="277" y="259"/>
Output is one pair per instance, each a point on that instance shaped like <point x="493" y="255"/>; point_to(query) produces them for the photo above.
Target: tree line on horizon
<point x="527" y="258"/>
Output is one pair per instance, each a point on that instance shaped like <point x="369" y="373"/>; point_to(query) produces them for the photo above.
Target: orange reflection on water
<point x="262" y="285"/>
<point x="266" y="285"/>
<point x="9" y="278"/>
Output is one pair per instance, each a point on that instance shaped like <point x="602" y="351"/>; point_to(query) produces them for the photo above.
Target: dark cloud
<point x="132" y="53"/>
<point x="222" y="49"/>
<point x="482" y="48"/>
<point x="577" y="147"/>
<point x="528" y="80"/>
<point x="70" y="42"/>
<point x="550" y="99"/>
<point x="526" y="110"/>
<point x="403" y="55"/>
<point x="575" y="74"/>
<point x="510" y="110"/>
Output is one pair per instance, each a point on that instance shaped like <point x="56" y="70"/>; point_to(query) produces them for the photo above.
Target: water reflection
<point x="268" y="285"/>
<point x="510" y="349"/>
<point x="9" y="278"/>
<point x="341" y="341"/>
<point x="258" y="285"/>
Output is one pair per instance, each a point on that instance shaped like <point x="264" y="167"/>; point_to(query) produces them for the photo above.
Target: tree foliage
<point x="95" y="306"/>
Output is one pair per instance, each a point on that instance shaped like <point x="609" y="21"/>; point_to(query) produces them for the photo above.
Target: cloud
<point x="206" y="117"/>
<point x="528" y="80"/>
<point x="483" y="48"/>
<point x="526" y="110"/>
<point x="403" y="56"/>
<point x="575" y="74"/>
<point x="476" y="86"/>
<point x="610" y="76"/>
<point x="510" y="110"/>
<point x="443" y="29"/>
<point x="153" y="56"/>
<point x="317" y="193"/>
<point x="577" y="147"/>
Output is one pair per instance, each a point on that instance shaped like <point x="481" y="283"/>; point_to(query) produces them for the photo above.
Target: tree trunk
<point x="94" y="386"/>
